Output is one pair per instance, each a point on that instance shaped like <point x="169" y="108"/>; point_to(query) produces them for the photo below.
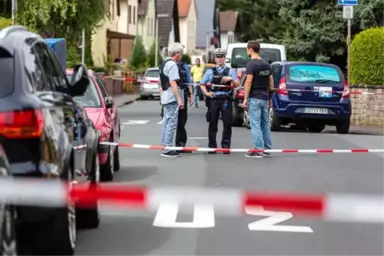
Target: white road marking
<point x="203" y="217"/>
<point x="135" y="122"/>
<point x="273" y="218"/>
<point x="160" y="122"/>
<point x="198" y="138"/>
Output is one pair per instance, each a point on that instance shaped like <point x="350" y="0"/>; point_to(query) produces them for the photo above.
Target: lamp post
<point x="157" y="36"/>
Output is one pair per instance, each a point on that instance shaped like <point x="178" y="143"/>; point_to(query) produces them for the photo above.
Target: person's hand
<point x="191" y="101"/>
<point x="244" y="104"/>
<point x="209" y="94"/>
<point x="180" y="103"/>
<point x="226" y="79"/>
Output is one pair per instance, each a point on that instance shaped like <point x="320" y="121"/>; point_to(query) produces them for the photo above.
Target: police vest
<point x="261" y="75"/>
<point x="164" y="80"/>
<point x="216" y="79"/>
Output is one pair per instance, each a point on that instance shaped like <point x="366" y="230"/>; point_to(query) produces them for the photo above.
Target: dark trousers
<point x="217" y="106"/>
<point x="181" y="132"/>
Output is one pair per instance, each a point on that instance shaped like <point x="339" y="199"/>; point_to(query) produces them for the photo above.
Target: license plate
<point x="325" y="92"/>
<point x="316" y="110"/>
<point x="151" y="86"/>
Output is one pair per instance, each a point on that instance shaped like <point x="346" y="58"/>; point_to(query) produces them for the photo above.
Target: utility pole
<point x="14" y="8"/>
<point x="349" y="53"/>
<point x="83" y="47"/>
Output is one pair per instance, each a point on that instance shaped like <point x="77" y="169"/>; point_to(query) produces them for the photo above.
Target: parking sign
<point x="347" y="12"/>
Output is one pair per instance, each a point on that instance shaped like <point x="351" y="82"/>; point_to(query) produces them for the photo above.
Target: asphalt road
<point x="133" y="233"/>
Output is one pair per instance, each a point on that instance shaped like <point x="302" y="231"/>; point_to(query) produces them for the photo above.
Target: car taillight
<point x="240" y="94"/>
<point x="21" y="124"/>
<point x="345" y="90"/>
<point x="282" y="87"/>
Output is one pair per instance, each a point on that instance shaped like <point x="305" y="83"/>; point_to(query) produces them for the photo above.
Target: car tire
<point x="89" y="217"/>
<point x="8" y="243"/>
<point x="55" y="235"/>
<point x="343" y="127"/>
<point x="246" y="120"/>
<point x="107" y="170"/>
<point x="142" y="97"/>
<point x="116" y="158"/>
<point x="237" y="119"/>
<point x="274" y="121"/>
<point x="316" y="127"/>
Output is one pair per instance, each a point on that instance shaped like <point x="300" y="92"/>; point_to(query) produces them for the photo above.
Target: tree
<point x="151" y="56"/>
<point x="367" y="57"/>
<point x="186" y="59"/>
<point x="139" y="55"/>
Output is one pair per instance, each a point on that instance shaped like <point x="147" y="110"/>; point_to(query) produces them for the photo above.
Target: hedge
<point x="367" y="57"/>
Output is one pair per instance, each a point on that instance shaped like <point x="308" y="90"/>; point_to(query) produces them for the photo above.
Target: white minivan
<point x="237" y="56"/>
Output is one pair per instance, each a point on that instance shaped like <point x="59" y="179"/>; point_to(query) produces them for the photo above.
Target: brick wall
<point x="368" y="110"/>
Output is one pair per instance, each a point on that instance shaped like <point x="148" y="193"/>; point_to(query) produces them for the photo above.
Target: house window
<point x="134" y="15"/>
<point x="129" y="14"/>
<point x="148" y="27"/>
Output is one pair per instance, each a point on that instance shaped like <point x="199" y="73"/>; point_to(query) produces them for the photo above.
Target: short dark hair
<point x="197" y="59"/>
<point x="254" y="45"/>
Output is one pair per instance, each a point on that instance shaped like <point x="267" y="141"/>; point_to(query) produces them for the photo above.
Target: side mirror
<point x="80" y="80"/>
<point x="108" y="102"/>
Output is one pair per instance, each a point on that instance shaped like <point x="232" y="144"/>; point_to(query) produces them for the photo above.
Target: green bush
<point x="138" y="57"/>
<point x="5" y="22"/>
<point x="186" y="59"/>
<point x="151" y="56"/>
<point x="367" y="57"/>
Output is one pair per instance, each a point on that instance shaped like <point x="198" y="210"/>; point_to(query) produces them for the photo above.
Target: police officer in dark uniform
<point x="219" y="99"/>
<point x="185" y="84"/>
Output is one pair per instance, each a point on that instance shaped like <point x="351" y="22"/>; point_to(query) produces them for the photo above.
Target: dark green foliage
<point x="139" y="55"/>
<point x="186" y="59"/>
<point x="151" y="56"/>
<point x="367" y="57"/>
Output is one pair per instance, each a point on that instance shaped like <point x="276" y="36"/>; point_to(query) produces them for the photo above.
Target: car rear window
<point x="6" y="73"/>
<point x="313" y="73"/>
<point x="152" y="73"/>
<point x="240" y="56"/>
<point x="91" y="98"/>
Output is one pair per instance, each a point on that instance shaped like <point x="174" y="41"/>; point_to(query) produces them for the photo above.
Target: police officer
<point x="185" y="84"/>
<point x="219" y="99"/>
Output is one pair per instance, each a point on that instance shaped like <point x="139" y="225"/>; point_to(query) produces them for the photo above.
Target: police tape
<point x="228" y="202"/>
<point x="288" y="90"/>
<point x="243" y="150"/>
<point x="78" y="147"/>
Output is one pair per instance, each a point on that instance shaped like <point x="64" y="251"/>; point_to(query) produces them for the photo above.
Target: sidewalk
<point x="125" y="99"/>
<point x="361" y="130"/>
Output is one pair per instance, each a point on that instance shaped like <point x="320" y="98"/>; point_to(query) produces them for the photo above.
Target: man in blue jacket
<point x="181" y="133"/>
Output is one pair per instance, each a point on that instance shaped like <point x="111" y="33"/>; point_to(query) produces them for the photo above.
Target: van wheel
<point x="274" y="121"/>
<point x="116" y="158"/>
<point x="343" y="127"/>
<point x="316" y="127"/>
<point x="89" y="217"/>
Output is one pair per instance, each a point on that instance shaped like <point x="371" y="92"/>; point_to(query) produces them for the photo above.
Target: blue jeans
<point x="258" y="115"/>
<point x="196" y="92"/>
<point x="168" y="127"/>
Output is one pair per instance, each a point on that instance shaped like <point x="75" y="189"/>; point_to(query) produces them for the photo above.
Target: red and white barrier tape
<point x="244" y="150"/>
<point x="290" y="90"/>
<point x="78" y="147"/>
<point x="338" y="207"/>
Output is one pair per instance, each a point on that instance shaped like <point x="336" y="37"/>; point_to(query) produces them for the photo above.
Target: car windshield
<point x="240" y="57"/>
<point x="313" y="73"/>
<point x="153" y="73"/>
<point x="91" y="98"/>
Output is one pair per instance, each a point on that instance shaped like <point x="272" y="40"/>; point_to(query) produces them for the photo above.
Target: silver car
<point x="150" y="84"/>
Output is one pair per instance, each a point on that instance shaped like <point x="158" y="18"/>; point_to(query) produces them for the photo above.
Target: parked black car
<point x="7" y="215"/>
<point x="39" y="125"/>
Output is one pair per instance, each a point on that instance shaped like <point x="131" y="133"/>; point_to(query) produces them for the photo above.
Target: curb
<point x="128" y="102"/>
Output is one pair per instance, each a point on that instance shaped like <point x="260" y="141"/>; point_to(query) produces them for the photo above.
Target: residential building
<point x="146" y="24"/>
<point x="206" y="10"/>
<point x="168" y="28"/>
<point x="188" y="24"/>
<point x="111" y="39"/>
<point x="228" y="22"/>
<point x="128" y="17"/>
